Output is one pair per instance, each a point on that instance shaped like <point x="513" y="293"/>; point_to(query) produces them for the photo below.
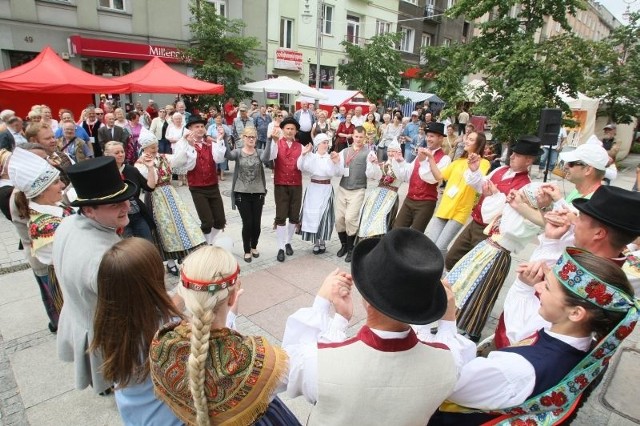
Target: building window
<point x="450" y="3"/>
<point x="383" y="27"/>
<point x="220" y="6"/>
<point x="353" y="29"/>
<point x="17" y="58"/>
<point x="286" y="33"/>
<point x="446" y="42"/>
<point x="424" y="43"/>
<point x="327" y="19"/>
<point x="106" y="67"/>
<point x="406" y="42"/>
<point x="112" y="4"/>
<point x="411" y="1"/>
<point x="327" y="76"/>
<point x="430" y="8"/>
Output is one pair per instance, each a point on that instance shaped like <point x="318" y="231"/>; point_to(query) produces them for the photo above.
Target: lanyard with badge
<point x="348" y="160"/>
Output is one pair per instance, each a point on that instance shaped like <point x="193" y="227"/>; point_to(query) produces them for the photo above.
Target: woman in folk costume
<point x="40" y="199"/>
<point x="132" y="303"/>
<point x="477" y="278"/>
<point x="318" y="215"/>
<point x="177" y="230"/>
<point x="206" y="372"/>
<point x="591" y="308"/>
<point x="381" y="205"/>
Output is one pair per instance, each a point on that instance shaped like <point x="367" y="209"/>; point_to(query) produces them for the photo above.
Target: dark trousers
<point x="138" y="227"/>
<point x="304" y="137"/>
<point x="288" y="202"/>
<point x="250" y="209"/>
<point x="415" y="214"/>
<point x="164" y="146"/>
<point x="261" y="144"/>
<point x="208" y="204"/>
<point x="471" y="236"/>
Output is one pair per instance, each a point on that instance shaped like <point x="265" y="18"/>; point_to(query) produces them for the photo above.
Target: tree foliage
<point x="219" y="53"/>
<point x="617" y="78"/>
<point x="522" y="74"/>
<point x="374" y="69"/>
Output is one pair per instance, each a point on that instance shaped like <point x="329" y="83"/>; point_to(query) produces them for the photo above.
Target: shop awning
<point x="158" y="77"/>
<point x="47" y="73"/>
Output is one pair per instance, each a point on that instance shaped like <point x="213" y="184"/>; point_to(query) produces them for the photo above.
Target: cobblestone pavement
<point x="37" y="389"/>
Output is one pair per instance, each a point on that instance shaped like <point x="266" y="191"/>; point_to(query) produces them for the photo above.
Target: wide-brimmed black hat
<point x="527" y="145"/>
<point x="437" y="128"/>
<point x="399" y="275"/>
<point x="613" y="206"/>
<point x="290" y="120"/>
<point x="98" y="181"/>
<point x="193" y="119"/>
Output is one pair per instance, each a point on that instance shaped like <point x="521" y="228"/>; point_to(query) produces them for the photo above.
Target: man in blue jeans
<point x="554" y="150"/>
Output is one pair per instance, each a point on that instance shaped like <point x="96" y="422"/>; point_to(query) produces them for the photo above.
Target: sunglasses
<point x="576" y="163"/>
<point x="279" y="115"/>
<point x="254" y="104"/>
<point x="249" y="137"/>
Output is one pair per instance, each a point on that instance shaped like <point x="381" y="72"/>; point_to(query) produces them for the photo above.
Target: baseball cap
<point x="590" y="154"/>
<point x="610" y="126"/>
<point x="415" y="113"/>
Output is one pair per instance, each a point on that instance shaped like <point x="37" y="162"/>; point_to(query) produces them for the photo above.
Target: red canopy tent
<point x="158" y="77"/>
<point x="49" y="79"/>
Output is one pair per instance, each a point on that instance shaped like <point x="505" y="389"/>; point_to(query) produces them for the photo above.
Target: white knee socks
<point x="281" y="232"/>
<point x="291" y="228"/>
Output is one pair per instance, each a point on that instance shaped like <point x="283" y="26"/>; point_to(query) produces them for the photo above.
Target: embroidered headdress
<point x="552" y="405"/>
<point x="146" y="138"/>
<point x="31" y="174"/>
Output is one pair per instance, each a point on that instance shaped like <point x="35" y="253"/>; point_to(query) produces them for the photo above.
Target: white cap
<point x="31" y="174"/>
<point x="146" y="138"/>
<point x="320" y="137"/>
<point x="394" y="145"/>
<point x="590" y="154"/>
<point x="593" y="140"/>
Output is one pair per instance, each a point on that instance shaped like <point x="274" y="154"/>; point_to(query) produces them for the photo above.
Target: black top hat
<point x="193" y="119"/>
<point x="527" y="145"/>
<point x="437" y="128"/>
<point x="290" y="120"/>
<point x="613" y="206"/>
<point x="98" y="181"/>
<point x="399" y="275"/>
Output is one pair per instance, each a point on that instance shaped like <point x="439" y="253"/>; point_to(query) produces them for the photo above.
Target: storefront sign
<point x="122" y="50"/>
<point x="287" y="59"/>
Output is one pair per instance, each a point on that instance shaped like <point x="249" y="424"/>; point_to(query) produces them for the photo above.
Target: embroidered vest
<point x="204" y="173"/>
<point x="516" y="182"/>
<point x="368" y="380"/>
<point x="420" y="190"/>
<point x="286" y="169"/>
<point x="552" y="360"/>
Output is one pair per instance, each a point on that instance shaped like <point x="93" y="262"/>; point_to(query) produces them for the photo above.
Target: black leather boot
<point x="351" y="239"/>
<point x="343" y="241"/>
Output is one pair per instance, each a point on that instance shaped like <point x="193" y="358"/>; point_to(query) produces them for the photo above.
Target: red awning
<point x="48" y="74"/>
<point x="158" y="77"/>
<point x="415" y="72"/>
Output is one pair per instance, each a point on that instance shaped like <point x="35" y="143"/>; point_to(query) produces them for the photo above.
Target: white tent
<point x="282" y="85"/>
<point x="338" y="97"/>
<point x="584" y="110"/>
<point x="415" y="98"/>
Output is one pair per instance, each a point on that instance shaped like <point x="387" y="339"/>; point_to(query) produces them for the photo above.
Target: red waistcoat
<point x="204" y="173"/>
<point x="286" y="168"/>
<point x="420" y="190"/>
<point x="516" y="182"/>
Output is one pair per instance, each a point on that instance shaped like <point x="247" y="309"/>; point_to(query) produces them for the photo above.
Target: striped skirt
<point x="327" y="218"/>
<point x="476" y="281"/>
<point x="378" y="212"/>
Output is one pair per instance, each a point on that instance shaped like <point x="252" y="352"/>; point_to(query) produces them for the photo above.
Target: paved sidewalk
<point x="37" y="389"/>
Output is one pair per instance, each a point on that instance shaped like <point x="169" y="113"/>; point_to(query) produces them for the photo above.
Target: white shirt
<point x="424" y="171"/>
<point x="358" y="121"/>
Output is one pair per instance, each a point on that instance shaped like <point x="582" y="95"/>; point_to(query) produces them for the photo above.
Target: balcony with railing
<point x="432" y="14"/>
<point x="359" y="41"/>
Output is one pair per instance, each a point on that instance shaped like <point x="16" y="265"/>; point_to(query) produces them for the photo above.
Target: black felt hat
<point x="290" y="120"/>
<point x="613" y="206"/>
<point x="527" y="145"/>
<point x="98" y="181"/>
<point x="195" y="118"/>
<point x="399" y="275"/>
<point x="434" y="127"/>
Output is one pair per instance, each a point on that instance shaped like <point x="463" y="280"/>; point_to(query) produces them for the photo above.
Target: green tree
<point x="616" y="79"/>
<point x="522" y="74"/>
<point x="219" y="53"/>
<point x="375" y="68"/>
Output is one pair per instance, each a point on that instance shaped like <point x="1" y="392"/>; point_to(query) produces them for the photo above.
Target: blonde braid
<point x="201" y="307"/>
